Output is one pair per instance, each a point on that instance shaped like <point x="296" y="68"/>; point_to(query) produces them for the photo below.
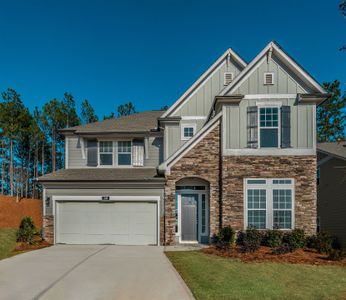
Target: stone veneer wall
<point x="202" y="161"/>
<point x="301" y="168"/>
<point x="48" y="228"/>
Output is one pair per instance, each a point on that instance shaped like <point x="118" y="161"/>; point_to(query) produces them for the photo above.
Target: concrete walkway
<point x="91" y="272"/>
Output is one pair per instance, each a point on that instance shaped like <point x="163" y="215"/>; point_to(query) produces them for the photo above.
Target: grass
<point x="213" y="277"/>
<point x="7" y="242"/>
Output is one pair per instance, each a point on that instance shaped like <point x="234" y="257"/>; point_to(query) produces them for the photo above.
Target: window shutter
<point x="92" y="153"/>
<point x="252" y="127"/>
<point x="285" y="126"/>
<point x="138" y="153"/>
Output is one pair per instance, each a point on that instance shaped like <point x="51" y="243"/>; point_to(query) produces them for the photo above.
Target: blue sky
<point x="150" y="52"/>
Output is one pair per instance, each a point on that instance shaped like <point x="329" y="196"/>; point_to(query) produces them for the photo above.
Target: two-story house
<point x="237" y="148"/>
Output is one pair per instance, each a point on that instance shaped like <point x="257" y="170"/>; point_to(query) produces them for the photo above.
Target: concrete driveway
<point x="91" y="272"/>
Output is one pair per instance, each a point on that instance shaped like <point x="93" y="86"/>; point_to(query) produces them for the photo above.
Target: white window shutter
<point x="138" y="155"/>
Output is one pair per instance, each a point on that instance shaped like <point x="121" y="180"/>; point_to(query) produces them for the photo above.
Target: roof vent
<point x="228" y="78"/>
<point x="268" y="78"/>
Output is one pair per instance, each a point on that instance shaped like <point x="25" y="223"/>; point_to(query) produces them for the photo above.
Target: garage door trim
<point x="134" y="199"/>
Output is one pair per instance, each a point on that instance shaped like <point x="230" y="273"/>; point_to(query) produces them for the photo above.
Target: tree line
<point x="30" y="142"/>
<point x="31" y="145"/>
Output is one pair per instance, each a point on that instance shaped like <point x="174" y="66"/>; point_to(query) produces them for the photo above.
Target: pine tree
<point x="88" y="113"/>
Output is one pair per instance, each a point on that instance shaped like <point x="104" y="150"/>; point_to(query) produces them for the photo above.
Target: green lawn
<point x="7" y="242"/>
<point x="212" y="277"/>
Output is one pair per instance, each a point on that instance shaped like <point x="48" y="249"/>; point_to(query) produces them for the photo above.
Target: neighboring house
<point x="331" y="189"/>
<point x="237" y="148"/>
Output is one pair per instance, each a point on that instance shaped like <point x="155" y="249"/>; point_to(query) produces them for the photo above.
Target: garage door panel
<point x="122" y="223"/>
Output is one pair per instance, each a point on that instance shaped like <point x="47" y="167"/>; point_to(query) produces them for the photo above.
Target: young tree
<point x="331" y="114"/>
<point x="126" y="109"/>
<point x="12" y="112"/>
<point x="88" y="113"/>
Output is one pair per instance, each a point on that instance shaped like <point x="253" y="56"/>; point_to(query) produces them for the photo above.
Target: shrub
<point x="250" y="240"/>
<point x="225" y="238"/>
<point x="322" y="242"/>
<point x="282" y="249"/>
<point x="26" y="230"/>
<point x="273" y="238"/>
<point x="295" y="238"/>
<point x="337" y="254"/>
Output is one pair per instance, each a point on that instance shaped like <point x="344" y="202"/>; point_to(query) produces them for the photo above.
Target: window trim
<point x="99" y="153"/>
<point x="264" y="78"/>
<point x="268" y="105"/>
<point x="269" y="186"/>
<point x="117" y="153"/>
<point x="183" y="126"/>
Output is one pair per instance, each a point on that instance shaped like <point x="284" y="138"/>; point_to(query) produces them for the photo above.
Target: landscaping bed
<point x="264" y="254"/>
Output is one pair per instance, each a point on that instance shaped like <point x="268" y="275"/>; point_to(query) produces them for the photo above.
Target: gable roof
<point x="336" y="149"/>
<point x="205" y="76"/>
<point x="273" y="47"/>
<point x="139" y="122"/>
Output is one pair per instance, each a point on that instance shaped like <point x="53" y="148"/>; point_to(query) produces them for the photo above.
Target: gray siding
<point x="285" y="82"/>
<point x="331" y="199"/>
<point x="173" y="135"/>
<point x="75" y="159"/>
<point x="101" y="192"/>
<point x="235" y="123"/>
<point x="199" y="102"/>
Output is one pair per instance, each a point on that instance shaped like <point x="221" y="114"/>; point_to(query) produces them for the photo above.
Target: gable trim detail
<point x="261" y="57"/>
<point x="206" y="75"/>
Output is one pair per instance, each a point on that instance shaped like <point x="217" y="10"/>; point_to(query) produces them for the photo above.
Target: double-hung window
<point x="269" y="203"/>
<point x="106" y="153"/>
<point x="269" y="127"/>
<point x="124" y="153"/>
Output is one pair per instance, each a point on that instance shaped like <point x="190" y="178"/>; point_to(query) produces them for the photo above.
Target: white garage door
<point x="120" y="223"/>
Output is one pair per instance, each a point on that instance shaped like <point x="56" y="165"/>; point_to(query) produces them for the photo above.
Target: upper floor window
<point x="268" y="78"/>
<point x="106" y="153"/>
<point x="269" y="127"/>
<point x="124" y="153"/>
<point x="187" y="131"/>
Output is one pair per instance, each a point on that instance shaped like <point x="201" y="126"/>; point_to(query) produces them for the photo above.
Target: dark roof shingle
<point x="139" y="122"/>
<point x="102" y="175"/>
<point x="337" y="149"/>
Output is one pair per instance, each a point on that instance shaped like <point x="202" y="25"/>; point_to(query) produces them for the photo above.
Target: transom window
<point x="269" y="127"/>
<point x="187" y="131"/>
<point x="106" y="153"/>
<point x="124" y="153"/>
<point x="269" y="203"/>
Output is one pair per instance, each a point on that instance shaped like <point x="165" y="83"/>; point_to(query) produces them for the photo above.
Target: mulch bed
<point x="264" y="254"/>
<point x="27" y="247"/>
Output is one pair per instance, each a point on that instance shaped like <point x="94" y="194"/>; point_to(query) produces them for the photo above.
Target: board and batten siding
<point x="200" y="101"/>
<point x="75" y="158"/>
<point x="285" y="82"/>
<point x="80" y="191"/>
<point x="235" y="123"/>
<point x="173" y="135"/>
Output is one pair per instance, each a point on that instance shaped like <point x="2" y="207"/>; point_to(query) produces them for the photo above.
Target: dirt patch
<point x="264" y="254"/>
<point x="12" y="211"/>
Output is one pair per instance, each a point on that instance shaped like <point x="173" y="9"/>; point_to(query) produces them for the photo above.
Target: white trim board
<point x="261" y="57"/>
<point x="268" y="151"/>
<point x="156" y="199"/>
<point x="206" y="75"/>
